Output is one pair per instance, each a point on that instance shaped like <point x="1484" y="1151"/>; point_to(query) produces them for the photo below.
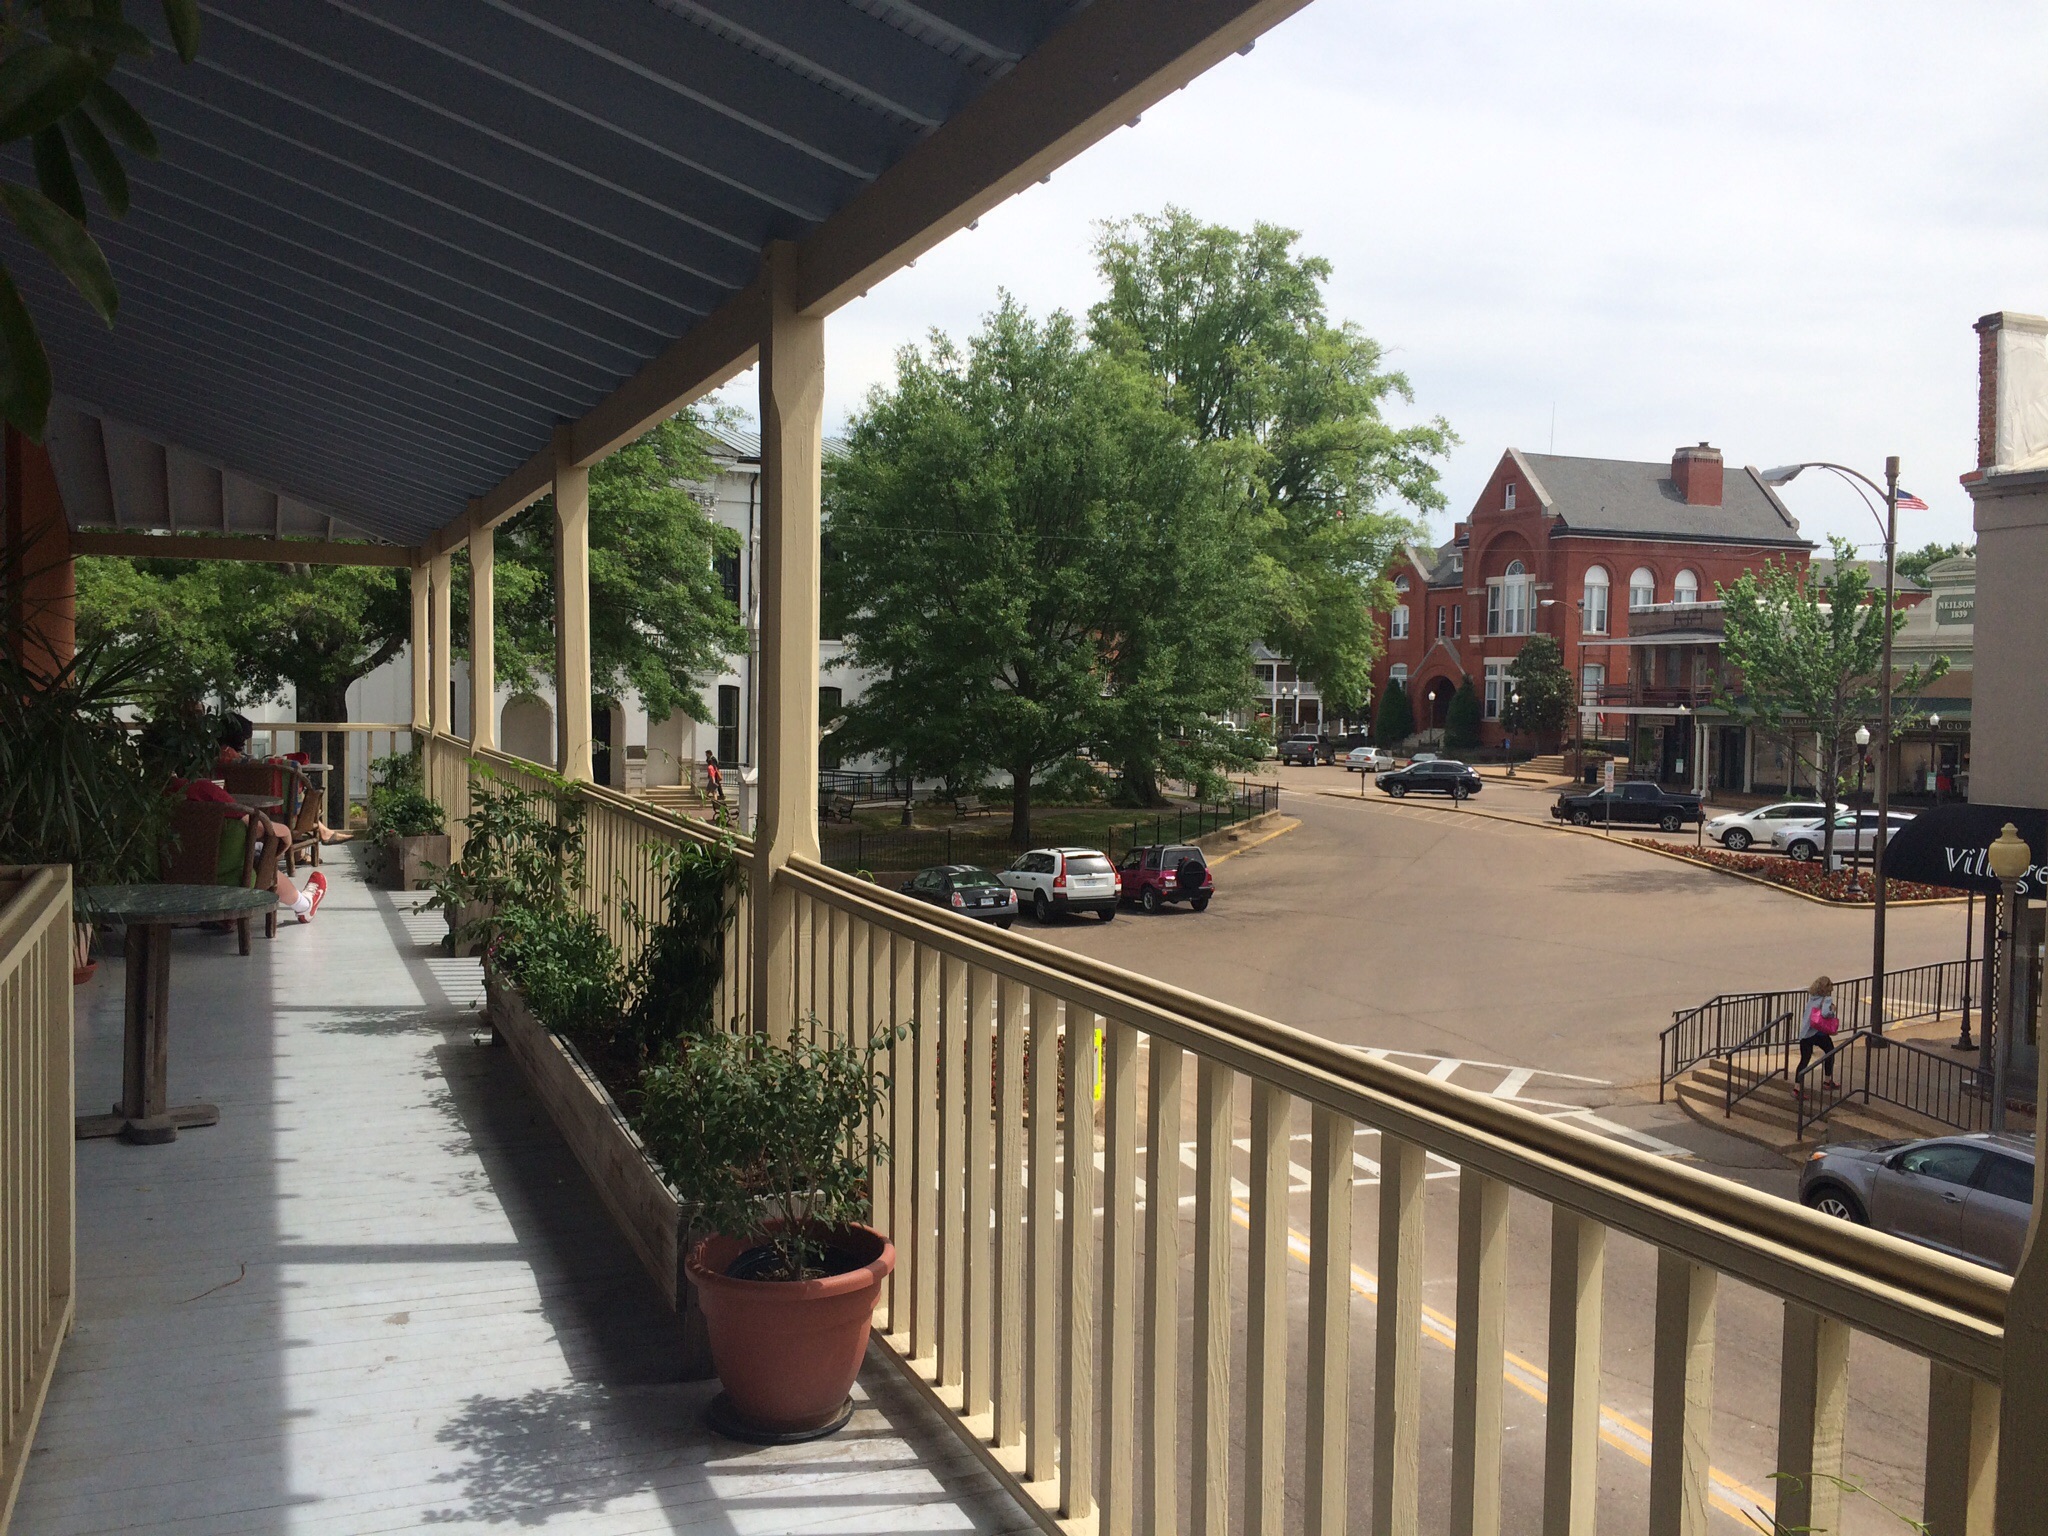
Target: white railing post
<point x="1077" y="1263"/>
<point x="1481" y="1344"/>
<point x="1329" y="1321"/>
<point x="1162" y="1284"/>
<point x="1119" y="1273"/>
<point x="1682" y="1397"/>
<point x="1041" y="1339"/>
<point x="1397" y="1368"/>
<point x="1571" y="1429"/>
<point x="1963" y="1464"/>
<point x="572" y="612"/>
<point x="441" y="662"/>
<point x="1813" y="1405"/>
<point x="483" y="639"/>
<point x="1010" y="1260"/>
<point x="420" y="638"/>
<point x="1265" y="1354"/>
<point x="1215" y="1100"/>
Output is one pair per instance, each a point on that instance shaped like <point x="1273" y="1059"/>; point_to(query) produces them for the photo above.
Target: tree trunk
<point x="1020" y="805"/>
<point x="326" y="702"/>
<point x="1140" y="782"/>
<point x="1827" y="827"/>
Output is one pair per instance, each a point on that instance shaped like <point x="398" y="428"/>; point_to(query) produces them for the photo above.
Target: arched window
<point x="1642" y="588"/>
<point x="1400" y="583"/>
<point x="1398" y="673"/>
<point x="1398" y="629"/>
<point x="1595" y="610"/>
<point x="1510" y="599"/>
<point x="1685" y="588"/>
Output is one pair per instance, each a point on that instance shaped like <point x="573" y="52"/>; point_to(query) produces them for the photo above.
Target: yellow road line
<point x="1735" y="1499"/>
<point x="1255" y="842"/>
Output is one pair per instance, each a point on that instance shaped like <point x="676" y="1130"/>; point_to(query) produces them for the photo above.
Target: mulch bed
<point x="1850" y="887"/>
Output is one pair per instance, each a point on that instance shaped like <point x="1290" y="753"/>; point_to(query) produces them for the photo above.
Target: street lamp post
<point x="1514" y="710"/>
<point x="2009" y="860"/>
<point x="1890" y="523"/>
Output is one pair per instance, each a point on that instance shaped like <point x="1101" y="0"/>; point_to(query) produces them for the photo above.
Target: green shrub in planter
<point x="682" y="959"/>
<point x="567" y="966"/>
<point x="523" y="849"/>
<point x="770" y="1144"/>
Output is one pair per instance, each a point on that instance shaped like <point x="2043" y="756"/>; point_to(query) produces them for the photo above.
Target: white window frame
<point x="1398" y="673"/>
<point x="1679" y="583"/>
<point x="1496" y="685"/>
<point x="1592" y="678"/>
<point x="1597" y="591"/>
<point x="1397" y="622"/>
<point x="1400" y="583"/>
<point x="1443" y="620"/>
<point x="1635" y="587"/>
<point x="1510" y="601"/>
<point x="1457" y="621"/>
<point x="1508" y="500"/>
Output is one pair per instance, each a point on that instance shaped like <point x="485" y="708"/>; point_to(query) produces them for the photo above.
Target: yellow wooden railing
<point x="38" y="1210"/>
<point x="1062" y="1350"/>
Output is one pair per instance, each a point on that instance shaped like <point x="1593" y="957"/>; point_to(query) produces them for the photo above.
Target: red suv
<point x="1165" y="872"/>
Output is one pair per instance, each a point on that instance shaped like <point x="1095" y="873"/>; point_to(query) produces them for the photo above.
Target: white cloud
<point x="1763" y="225"/>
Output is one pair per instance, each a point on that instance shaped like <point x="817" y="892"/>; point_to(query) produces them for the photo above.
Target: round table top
<point x="256" y="802"/>
<point x="173" y="903"/>
<point x="313" y="767"/>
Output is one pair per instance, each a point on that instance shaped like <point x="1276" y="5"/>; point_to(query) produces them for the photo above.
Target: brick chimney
<point x="1697" y="474"/>
<point x="1459" y="532"/>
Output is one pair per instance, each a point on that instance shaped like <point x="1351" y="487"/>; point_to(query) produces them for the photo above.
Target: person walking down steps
<point x="1818" y="1034"/>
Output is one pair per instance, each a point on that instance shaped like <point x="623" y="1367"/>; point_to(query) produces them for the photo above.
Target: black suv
<point x="1438" y="776"/>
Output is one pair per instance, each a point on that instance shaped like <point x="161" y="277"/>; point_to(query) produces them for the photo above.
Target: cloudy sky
<point x="1765" y="225"/>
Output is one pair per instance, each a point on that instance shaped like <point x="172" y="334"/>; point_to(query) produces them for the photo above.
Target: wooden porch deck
<point x="379" y="1295"/>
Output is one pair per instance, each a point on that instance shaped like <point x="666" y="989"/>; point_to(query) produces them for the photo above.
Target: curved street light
<point x="1888" y="524"/>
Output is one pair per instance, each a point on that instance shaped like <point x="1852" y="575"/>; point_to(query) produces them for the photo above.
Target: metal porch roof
<point x="392" y="243"/>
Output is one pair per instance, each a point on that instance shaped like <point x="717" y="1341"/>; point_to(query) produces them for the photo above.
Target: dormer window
<point x="1400" y="583"/>
<point x="1509" y="500"/>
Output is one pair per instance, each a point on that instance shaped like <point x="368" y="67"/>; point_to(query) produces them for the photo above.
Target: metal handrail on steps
<point x="1929" y="1083"/>
<point x="1778" y="1035"/>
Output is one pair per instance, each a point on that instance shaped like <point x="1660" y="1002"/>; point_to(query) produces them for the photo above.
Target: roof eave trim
<point x="1535" y="480"/>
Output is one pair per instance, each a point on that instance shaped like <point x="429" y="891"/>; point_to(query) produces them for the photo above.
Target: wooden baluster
<point x="952" y="1170"/>
<point x="1077" y="1252"/>
<point x="1476" y="1372"/>
<point x="979" y="1289"/>
<point x="1215" y="1097"/>
<point x="1162" y="1285"/>
<point x="1682" y="1397"/>
<point x="1813" y="1403"/>
<point x="1571" y="1430"/>
<point x="1265" y="1408"/>
<point x="1329" y="1320"/>
<point x="1041" y="1339"/>
<point x="924" y="1300"/>
<point x="1397" y="1368"/>
<point x="1011" y="1262"/>
<point x="901" y="1011"/>
<point x="1119" y="1272"/>
<point x="1962" y="1455"/>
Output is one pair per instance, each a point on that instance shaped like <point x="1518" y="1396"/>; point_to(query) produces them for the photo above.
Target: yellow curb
<point x="1628" y="841"/>
<point x="1279" y="831"/>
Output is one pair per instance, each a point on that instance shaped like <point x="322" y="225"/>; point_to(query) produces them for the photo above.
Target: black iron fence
<point x="1943" y="1088"/>
<point x="855" y="846"/>
<point x="1735" y="1019"/>
<point x="834" y="782"/>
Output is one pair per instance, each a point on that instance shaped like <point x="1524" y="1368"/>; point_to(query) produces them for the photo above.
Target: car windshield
<point x="1088" y="864"/>
<point x="963" y="878"/>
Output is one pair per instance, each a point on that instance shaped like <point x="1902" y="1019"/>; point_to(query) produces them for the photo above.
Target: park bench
<point x="969" y="805"/>
<point x="839" y="807"/>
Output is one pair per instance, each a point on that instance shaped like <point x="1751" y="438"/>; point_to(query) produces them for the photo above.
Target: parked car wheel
<point x="1582" y="818"/>
<point x="1737" y="840"/>
<point x="1200" y="903"/>
<point x="1041" y="908"/>
<point x="1458" y="792"/>
<point x="1397" y="790"/>
<point x="1670" y="821"/>
<point x="1802" y="850"/>
<point x="1149" y="900"/>
<point x="1107" y="914"/>
<point x="1833" y="1200"/>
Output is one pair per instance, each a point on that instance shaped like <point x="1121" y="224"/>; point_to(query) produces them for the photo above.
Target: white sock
<point x="304" y="904"/>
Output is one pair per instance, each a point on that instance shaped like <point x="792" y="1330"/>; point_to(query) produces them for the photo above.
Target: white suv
<point x="1050" y="880"/>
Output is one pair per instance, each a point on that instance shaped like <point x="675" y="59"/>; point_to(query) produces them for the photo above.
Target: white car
<point x="1855" y="832"/>
<point x="1738" y="829"/>
<point x="1367" y="760"/>
<point x="1054" y="880"/>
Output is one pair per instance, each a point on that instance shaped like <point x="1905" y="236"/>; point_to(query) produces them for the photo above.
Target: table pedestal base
<point x="147" y="1130"/>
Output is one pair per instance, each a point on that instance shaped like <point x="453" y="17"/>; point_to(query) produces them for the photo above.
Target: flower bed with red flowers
<point x="1809" y="877"/>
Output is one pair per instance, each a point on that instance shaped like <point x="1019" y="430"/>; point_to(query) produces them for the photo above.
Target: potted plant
<point x="407" y="823"/>
<point x="770" y="1146"/>
<point x="521" y="848"/>
<point x="76" y="786"/>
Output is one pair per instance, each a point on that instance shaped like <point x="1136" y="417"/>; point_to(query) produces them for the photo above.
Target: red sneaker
<point x="317" y="884"/>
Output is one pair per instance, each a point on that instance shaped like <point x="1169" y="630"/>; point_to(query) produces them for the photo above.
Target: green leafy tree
<point x="1914" y="562"/>
<point x="1394" y="721"/>
<point x="1810" y="654"/>
<point x="1548" y="702"/>
<point x="1232" y="325"/>
<point x="1462" y="721"/>
<point x="57" y="59"/>
<point x="1033" y="555"/>
<point x="658" y="617"/>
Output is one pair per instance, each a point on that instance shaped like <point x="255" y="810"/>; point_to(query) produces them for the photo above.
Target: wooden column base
<point x="146" y="1130"/>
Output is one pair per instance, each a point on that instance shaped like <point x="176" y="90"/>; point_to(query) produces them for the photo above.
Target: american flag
<point x="1908" y="502"/>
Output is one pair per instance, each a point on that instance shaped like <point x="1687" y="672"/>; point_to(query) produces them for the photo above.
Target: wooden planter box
<point x="462" y="917"/>
<point x="406" y="859"/>
<point x="641" y="1204"/>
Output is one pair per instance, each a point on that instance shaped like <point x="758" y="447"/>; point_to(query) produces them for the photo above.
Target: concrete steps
<point x="1769" y="1116"/>
<point x="1553" y="765"/>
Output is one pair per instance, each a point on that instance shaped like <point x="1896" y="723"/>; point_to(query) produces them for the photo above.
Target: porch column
<point x="792" y="427"/>
<point x="572" y="613"/>
<point x="441" y="578"/>
<point x="483" y="638"/>
<point x="422" y="603"/>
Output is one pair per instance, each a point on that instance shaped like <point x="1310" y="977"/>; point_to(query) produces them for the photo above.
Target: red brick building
<point x="1621" y="562"/>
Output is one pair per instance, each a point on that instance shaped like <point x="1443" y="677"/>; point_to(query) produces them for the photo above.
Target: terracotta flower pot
<point x="787" y="1351"/>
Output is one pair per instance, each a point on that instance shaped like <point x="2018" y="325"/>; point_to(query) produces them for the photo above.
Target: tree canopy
<point x="1233" y="327"/>
<point x="1914" y="562"/>
<point x="1548" y="701"/>
<point x="1033" y="555"/>
<point x="1810" y="657"/>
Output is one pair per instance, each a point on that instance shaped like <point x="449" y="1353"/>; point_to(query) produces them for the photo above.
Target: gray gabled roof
<point x="1637" y="500"/>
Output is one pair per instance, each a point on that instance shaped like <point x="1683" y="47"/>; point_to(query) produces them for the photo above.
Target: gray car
<point x="1969" y="1196"/>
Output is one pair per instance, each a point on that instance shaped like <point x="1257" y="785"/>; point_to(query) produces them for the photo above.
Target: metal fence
<point x="1941" y="1087"/>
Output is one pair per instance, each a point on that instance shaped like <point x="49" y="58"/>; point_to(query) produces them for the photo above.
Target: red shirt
<point x="203" y="790"/>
